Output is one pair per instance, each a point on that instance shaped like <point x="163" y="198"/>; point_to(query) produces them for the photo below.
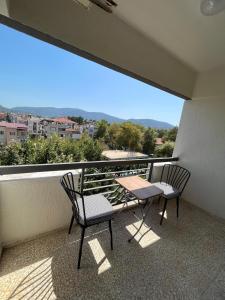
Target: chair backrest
<point x="176" y="176"/>
<point x="67" y="182"/>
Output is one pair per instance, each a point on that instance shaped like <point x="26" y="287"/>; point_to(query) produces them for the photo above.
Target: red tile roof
<point x="13" y="125"/>
<point x="2" y="115"/>
<point x="158" y="141"/>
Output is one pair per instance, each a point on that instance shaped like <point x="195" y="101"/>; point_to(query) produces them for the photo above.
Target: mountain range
<point x="60" y="112"/>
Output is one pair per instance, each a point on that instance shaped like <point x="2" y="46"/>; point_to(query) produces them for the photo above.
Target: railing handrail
<point x="114" y="172"/>
<point x="19" y="169"/>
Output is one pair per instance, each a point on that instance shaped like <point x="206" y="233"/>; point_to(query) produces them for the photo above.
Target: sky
<point x="34" y="73"/>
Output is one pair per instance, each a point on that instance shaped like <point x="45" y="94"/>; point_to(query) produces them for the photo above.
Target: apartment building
<point x="12" y="132"/>
<point x="63" y="124"/>
<point x="48" y="127"/>
<point x="34" y="126"/>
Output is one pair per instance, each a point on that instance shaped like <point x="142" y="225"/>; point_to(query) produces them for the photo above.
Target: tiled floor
<point x="179" y="260"/>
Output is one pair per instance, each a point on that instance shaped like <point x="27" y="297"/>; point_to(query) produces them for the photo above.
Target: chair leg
<point x="159" y="199"/>
<point x="81" y="246"/>
<point x="178" y="200"/>
<point x="164" y="209"/>
<point x="111" y="236"/>
<point x="71" y="224"/>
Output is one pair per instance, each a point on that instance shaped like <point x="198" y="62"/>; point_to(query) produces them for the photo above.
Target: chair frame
<point x="177" y="177"/>
<point x="67" y="182"/>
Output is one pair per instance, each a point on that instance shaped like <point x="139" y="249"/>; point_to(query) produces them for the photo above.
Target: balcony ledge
<point x="36" y="175"/>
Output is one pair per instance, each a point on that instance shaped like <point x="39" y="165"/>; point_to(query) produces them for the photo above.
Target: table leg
<point x="144" y="215"/>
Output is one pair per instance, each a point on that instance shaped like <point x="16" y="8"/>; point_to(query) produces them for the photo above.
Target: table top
<point x="139" y="187"/>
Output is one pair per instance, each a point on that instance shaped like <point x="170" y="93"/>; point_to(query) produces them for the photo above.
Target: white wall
<point x="201" y="143"/>
<point x="32" y="204"/>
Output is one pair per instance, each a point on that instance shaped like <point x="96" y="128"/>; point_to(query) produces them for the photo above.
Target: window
<point x="1" y="132"/>
<point x="12" y="133"/>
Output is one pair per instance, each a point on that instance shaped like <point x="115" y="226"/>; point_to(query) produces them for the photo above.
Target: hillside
<point x="59" y="112"/>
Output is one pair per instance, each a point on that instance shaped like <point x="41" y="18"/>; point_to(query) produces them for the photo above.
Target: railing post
<point x="150" y="172"/>
<point x="82" y="181"/>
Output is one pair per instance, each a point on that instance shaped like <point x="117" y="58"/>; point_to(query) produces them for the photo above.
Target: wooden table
<point x="139" y="187"/>
<point x="142" y="190"/>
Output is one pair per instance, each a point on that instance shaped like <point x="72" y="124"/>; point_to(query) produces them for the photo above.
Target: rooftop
<point x="179" y="260"/>
<point x="158" y="141"/>
<point x="13" y="125"/>
<point x="63" y="121"/>
<point x="120" y="154"/>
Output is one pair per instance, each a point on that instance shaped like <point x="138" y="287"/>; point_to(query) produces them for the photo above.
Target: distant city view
<point x="27" y="138"/>
<point x="69" y="109"/>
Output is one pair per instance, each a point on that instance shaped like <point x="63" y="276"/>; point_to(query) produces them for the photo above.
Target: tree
<point x="113" y="132"/>
<point x="91" y="149"/>
<point x="102" y="130"/>
<point x="8" y="118"/>
<point x="149" y="141"/>
<point x="11" y="154"/>
<point x="165" y="150"/>
<point x="172" y="134"/>
<point x="78" y="120"/>
<point x="161" y="133"/>
<point x="129" y="137"/>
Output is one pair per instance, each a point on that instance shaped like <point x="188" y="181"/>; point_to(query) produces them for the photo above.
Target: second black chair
<point x="86" y="210"/>
<point x="173" y="181"/>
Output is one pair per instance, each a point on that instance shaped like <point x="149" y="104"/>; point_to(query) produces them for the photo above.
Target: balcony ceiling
<point x="180" y="28"/>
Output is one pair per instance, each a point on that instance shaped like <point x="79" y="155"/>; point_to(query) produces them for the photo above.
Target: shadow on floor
<point x="179" y="260"/>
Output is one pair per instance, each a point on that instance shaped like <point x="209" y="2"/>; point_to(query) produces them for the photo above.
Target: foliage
<point x="126" y="136"/>
<point x="168" y="135"/>
<point x="161" y="133"/>
<point x="11" y="154"/>
<point x="149" y="141"/>
<point x="165" y="150"/>
<point x="171" y="134"/>
<point x="102" y="130"/>
<point x="8" y="118"/>
<point x="129" y="137"/>
<point x="78" y="120"/>
<point x="91" y="149"/>
<point x="113" y="133"/>
<point x="51" y="150"/>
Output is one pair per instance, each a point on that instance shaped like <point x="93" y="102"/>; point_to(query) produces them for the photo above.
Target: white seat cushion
<point x="169" y="192"/>
<point x="97" y="209"/>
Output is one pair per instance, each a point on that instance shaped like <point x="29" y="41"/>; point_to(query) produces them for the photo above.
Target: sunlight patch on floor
<point x="36" y="282"/>
<point x="145" y="237"/>
<point x="165" y="214"/>
<point x="99" y="256"/>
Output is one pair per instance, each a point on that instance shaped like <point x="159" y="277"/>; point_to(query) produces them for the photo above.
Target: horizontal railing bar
<point x="100" y="187"/>
<point x="106" y="179"/>
<point x="114" y="172"/>
<point x="100" y="180"/>
<point x="108" y="193"/>
<point x="4" y="170"/>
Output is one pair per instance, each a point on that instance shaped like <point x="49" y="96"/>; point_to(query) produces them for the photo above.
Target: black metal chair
<point x="173" y="181"/>
<point x="86" y="210"/>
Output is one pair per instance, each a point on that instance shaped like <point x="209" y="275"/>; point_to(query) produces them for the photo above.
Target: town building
<point x="63" y="124"/>
<point x="12" y="132"/>
<point x="34" y="126"/>
<point x="159" y="141"/>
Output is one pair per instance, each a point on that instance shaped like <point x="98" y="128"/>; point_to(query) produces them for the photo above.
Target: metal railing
<point x="97" y="176"/>
<point x="19" y="169"/>
<point x="108" y="177"/>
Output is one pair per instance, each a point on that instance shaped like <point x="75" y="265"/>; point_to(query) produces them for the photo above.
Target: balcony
<point x="182" y="259"/>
